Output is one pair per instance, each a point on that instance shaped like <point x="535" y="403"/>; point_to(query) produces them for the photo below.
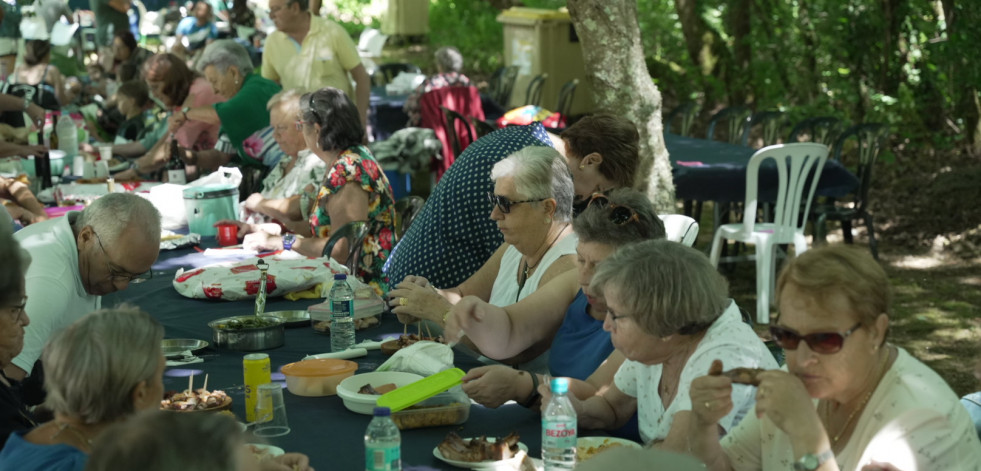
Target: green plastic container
<point x="206" y="205"/>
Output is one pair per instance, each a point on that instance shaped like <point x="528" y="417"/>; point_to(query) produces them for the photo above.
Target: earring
<point x="548" y="220"/>
<point x="582" y="166"/>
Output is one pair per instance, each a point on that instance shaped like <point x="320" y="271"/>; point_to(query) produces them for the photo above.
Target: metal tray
<point x="250" y="339"/>
<point x="295" y="318"/>
<point x="176" y="347"/>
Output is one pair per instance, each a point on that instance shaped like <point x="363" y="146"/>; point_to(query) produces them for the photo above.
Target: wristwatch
<point x="288" y="241"/>
<point x="811" y="461"/>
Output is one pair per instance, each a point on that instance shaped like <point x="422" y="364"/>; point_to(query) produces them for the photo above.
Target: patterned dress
<point x="356" y="165"/>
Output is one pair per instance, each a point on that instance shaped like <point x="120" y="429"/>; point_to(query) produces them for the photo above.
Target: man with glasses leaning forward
<point x="79" y="258"/>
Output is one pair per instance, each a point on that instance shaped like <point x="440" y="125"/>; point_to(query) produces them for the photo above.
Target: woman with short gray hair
<point x="449" y="73"/>
<point x="14" y="414"/>
<point x="100" y="370"/>
<point x="669" y="313"/>
<point x="532" y="204"/>
<point x="243" y="118"/>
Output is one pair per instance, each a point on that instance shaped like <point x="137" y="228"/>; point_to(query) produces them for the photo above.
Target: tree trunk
<point x="706" y="48"/>
<point x="616" y="70"/>
<point x="741" y="72"/>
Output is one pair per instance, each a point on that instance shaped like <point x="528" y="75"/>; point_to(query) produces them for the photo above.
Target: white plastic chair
<point x="680" y="228"/>
<point x="795" y="162"/>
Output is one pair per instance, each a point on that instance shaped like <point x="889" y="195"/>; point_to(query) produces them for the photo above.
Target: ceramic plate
<point x="508" y="464"/>
<point x="264" y="451"/>
<point x="175" y="347"/>
<point x="588" y="447"/>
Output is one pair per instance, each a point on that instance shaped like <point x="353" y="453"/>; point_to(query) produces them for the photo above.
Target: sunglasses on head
<point x="504" y="204"/>
<point x="820" y="342"/>
<point x="619" y="215"/>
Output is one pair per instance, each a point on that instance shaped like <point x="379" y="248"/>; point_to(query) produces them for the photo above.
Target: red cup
<point x="227" y="234"/>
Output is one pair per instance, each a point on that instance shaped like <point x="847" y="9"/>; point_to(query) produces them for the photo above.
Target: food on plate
<point x="403" y="341"/>
<point x="744" y="375"/>
<point x="431" y="416"/>
<point x="360" y="323"/>
<point x="584" y="453"/>
<point x="377" y="390"/>
<point x="479" y="449"/>
<point x="199" y="399"/>
<point x="247" y="324"/>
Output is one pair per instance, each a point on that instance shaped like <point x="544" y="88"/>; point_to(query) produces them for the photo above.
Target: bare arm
<point x="21" y="194"/>
<point x="600" y="380"/>
<point x="348" y="204"/>
<point x="119" y="5"/>
<point x="607" y="411"/>
<point x="362" y="91"/>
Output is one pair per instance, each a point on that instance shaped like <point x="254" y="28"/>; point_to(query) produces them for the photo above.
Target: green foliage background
<point x="922" y="82"/>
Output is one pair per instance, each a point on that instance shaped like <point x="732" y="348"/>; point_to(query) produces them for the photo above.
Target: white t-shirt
<point x="913" y="421"/>
<point x="728" y="339"/>
<point x="505" y="290"/>
<point x="55" y="294"/>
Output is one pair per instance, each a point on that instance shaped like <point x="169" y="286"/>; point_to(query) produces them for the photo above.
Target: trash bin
<point x="406" y="18"/>
<point x="545" y="41"/>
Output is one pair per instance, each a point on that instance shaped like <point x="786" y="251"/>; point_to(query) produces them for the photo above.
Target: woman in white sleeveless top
<point x="532" y="204"/>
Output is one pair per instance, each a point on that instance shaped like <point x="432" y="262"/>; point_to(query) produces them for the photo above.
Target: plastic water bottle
<point x="559" y="429"/>
<point x="67" y="135"/>
<point x="382" y="443"/>
<point x="341" y="314"/>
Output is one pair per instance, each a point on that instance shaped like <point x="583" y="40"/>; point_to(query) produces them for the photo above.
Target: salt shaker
<point x="260" y="297"/>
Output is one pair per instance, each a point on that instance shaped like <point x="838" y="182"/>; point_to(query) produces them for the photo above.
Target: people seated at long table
<point x="532" y="205"/>
<point x="561" y="316"/>
<point x="79" y="258"/>
<point x="847" y="399"/>
<point x="354" y="189"/>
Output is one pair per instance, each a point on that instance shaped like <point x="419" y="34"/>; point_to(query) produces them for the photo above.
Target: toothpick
<point x="405" y="330"/>
<point x="205" y="387"/>
<point x="190" y="383"/>
<point x="428" y="332"/>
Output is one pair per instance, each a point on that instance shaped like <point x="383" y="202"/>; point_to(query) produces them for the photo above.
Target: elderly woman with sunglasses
<point x="354" y="189"/>
<point x="669" y="314"/>
<point x="559" y="317"/>
<point x="532" y="204"/>
<point x="846" y="399"/>
<point x="14" y="415"/>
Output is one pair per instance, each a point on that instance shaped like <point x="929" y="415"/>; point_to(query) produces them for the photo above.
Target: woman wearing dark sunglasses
<point x="532" y="205"/>
<point x="562" y="316"/>
<point x="847" y="399"/>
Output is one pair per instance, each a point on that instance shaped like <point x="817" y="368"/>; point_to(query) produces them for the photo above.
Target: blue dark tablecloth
<point x="322" y="428"/>
<point x="386" y="114"/>
<point x="716" y="171"/>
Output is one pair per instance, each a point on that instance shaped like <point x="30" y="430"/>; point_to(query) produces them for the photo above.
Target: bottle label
<point x="340" y="308"/>
<point x="558" y="433"/>
<point x="177" y="177"/>
<point x="383" y="459"/>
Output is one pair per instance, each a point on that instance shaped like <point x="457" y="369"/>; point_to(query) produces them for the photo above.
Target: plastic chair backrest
<point x="483" y="127"/>
<point x="407" y="208"/>
<point x="680" y="228"/>
<point x="771" y="123"/>
<point x="534" y="94"/>
<point x="822" y="129"/>
<point x="736" y="120"/>
<point x="385" y="73"/>
<point x="799" y="167"/>
<point x="566" y="94"/>
<point x="354" y="232"/>
<point x="451" y="120"/>
<point x="686" y="111"/>
<point x="869" y="139"/>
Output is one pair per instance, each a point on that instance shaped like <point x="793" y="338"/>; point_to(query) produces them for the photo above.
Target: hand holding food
<point x="417" y="301"/>
<point x="711" y="396"/>
<point x="748" y="376"/>
<point x="492" y="386"/>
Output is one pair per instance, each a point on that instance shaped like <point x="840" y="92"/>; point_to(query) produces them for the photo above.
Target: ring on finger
<point x="403" y="301"/>
<point x="708" y="405"/>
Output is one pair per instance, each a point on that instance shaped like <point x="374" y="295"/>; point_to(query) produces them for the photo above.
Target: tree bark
<point x="616" y="70"/>
<point x="706" y="48"/>
<point x="741" y="73"/>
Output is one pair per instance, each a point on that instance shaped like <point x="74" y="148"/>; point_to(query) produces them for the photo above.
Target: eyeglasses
<point x="298" y="124"/>
<point x="824" y="343"/>
<point x="619" y="214"/>
<point x="19" y="309"/>
<point x="115" y="276"/>
<point x="615" y="318"/>
<point x="504" y="204"/>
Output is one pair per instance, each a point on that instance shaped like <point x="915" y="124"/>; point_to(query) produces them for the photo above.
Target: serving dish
<point x="248" y="333"/>
<point x="588" y="447"/>
<point x="365" y="403"/>
<point x="177" y="347"/>
<point x="295" y="318"/>
<point x="317" y="377"/>
<point x="501" y="465"/>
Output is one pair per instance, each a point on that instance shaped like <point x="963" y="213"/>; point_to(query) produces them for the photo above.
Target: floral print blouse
<point x="356" y="165"/>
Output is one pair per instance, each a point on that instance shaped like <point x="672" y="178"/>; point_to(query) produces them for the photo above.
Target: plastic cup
<point x="227" y="234"/>
<point x="105" y="152"/>
<point x="270" y="412"/>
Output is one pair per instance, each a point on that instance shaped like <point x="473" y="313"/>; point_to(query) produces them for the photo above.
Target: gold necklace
<point x="861" y="405"/>
<point x="528" y="268"/>
<point x="62" y="426"/>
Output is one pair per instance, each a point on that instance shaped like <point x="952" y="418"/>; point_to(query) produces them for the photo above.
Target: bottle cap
<point x="382" y="412"/>
<point x="340" y="276"/>
<point x="560" y="385"/>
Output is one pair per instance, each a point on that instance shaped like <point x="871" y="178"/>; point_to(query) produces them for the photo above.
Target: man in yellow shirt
<point x="308" y="52"/>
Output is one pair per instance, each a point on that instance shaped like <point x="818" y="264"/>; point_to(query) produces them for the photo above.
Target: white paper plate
<point x="584" y="443"/>
<point x="513" y="463"/>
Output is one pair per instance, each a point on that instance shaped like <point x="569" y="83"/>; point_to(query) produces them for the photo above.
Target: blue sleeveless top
<point x="580" y="344"/>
